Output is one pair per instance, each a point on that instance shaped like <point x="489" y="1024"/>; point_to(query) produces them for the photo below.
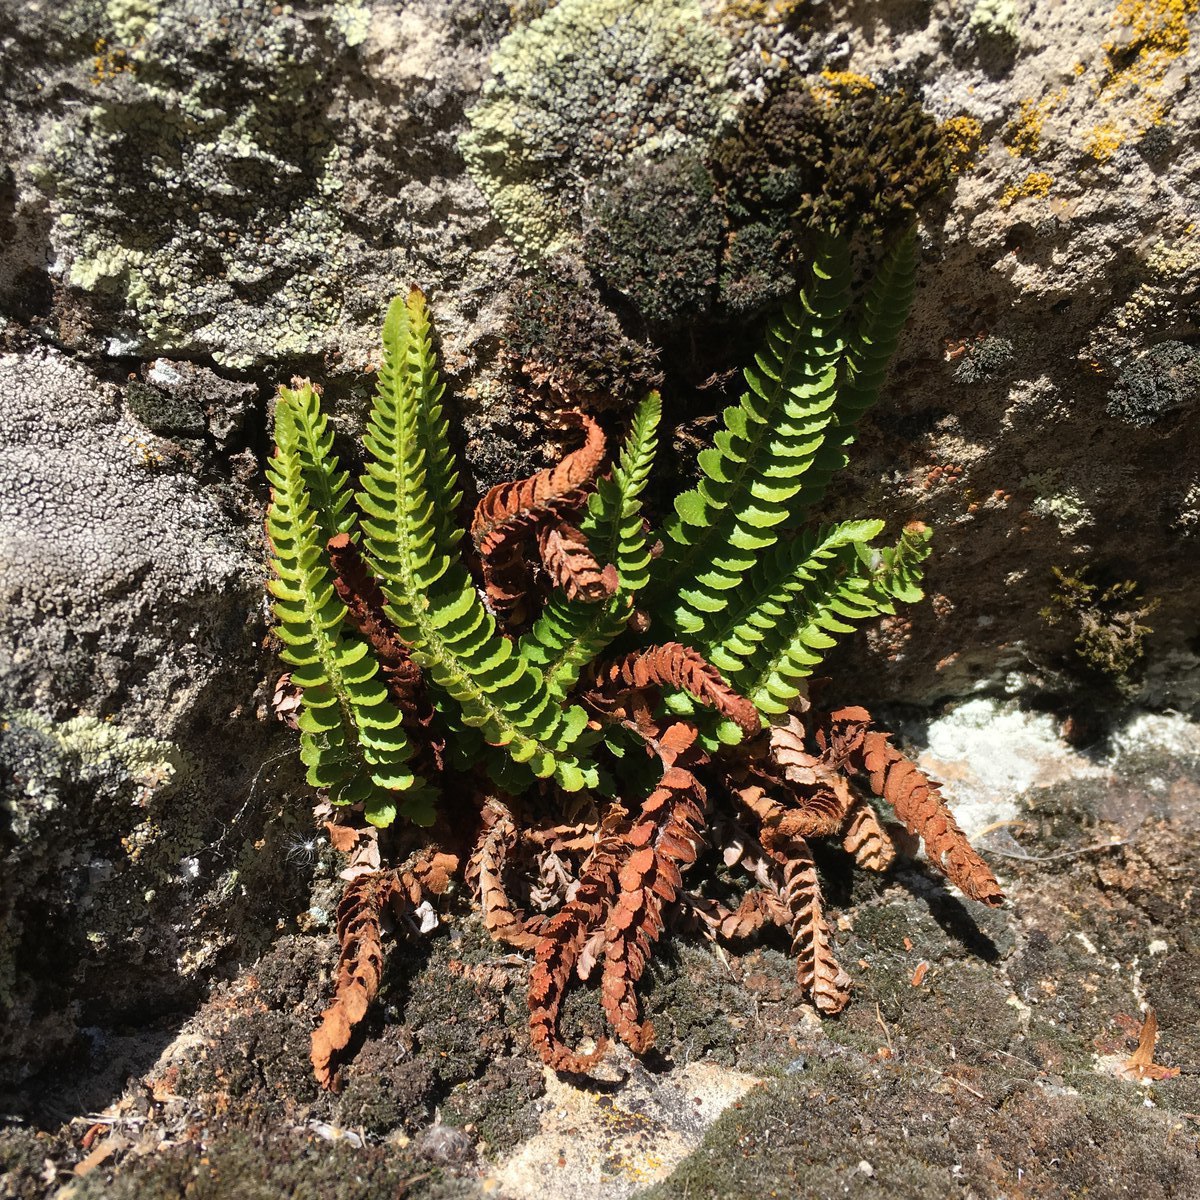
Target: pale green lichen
<point x="101" y="748"/>
<point x="995" y="18"/>
<point x="1065" y="506"/>
<point x="353" y="21"/>
<point x="197" y="202"/>
<point x="579" y="92"/>
<point x="130" y="19"/>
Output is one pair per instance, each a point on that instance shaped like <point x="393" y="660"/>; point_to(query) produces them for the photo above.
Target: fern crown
<point x="413" y="655"/>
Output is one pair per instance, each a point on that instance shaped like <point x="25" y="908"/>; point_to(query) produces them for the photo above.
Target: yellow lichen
<point x="962" y="136"/>
<point x="1024" y="135"/>
<point x="108" y="62"/>
<point x="1035" y="184"/>
<point x="1102" y="142"/>
<point x="1151" y="35"/>
<point x="759" y="12"/>
<point x="850" y="81"/>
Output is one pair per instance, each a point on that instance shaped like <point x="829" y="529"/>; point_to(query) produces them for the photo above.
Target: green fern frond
<point x="351" y="737"/>
<point x="792" y="573"/>
<point x="300" y="409"/>
<point x="792" y="630"/>
<point x="871" y="341"/>
<point x="409" y="500"/>
<point x="762" y="455"/>
<point x="569" y="634"/>
<point x="901" y="568"/>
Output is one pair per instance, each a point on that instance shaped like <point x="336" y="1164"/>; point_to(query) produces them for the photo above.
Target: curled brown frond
<point x="485" y="874"/>
<point x="866" y="838"/>
<point x="665" y="838"/>
<point x="509" y="506"/>
<point x="510" y="513"/>
<point x="359" y="591"/>
<point x="558" y="951"/>
<point x="571" y="566"/>
<point x="359" y="968"/>
<point x="817" y="970"/>
<point x="918" y="802"/>
<point x="360" y="961"/>
<point x="675" y="666"/>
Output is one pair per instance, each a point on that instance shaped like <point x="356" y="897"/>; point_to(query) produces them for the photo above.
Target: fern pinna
<point x="573" y="711"/>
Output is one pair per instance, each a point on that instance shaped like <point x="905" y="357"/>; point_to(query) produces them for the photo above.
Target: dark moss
<point x="847" y="1126"/>
<point x="846" y="159"/>
<point x="269" y="1165"/>
<point x="562" y="340"/>
<point x="654" y="235"/>
<point x="499" y="1105"/>
<point x="1160" y="382"/>
<point x="161" y="413"/>
<point x="388" y="1088"/>
<point x="984" y="360"/>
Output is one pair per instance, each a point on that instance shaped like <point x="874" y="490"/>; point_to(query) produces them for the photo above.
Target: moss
<point x="655" y="236"/>
<point x="841" y="156"/>
<point x="499" y="1105"/>
<point x="225" y="1163"/>
<point x="984" y="360"/>
<point x="1106" y="621"/>
<point x="1156" y="384"/>
<point x="198" y="205"/>
<point x="562" y="339"/>
<point x="162" y="413"/>
<point x="579" y="91"/>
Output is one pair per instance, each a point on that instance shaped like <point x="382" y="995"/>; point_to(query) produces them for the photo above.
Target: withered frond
<point x="360" y="962"/>
<point x="485" y="875"/>
<point x="571" y="565"/>
<point x="918" y="802"/>
<point x="675" y="666"/>
<point x="360" y="592"/>
<point x="817" y="970"/>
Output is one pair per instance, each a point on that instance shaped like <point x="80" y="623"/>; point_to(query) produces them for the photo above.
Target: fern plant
<point x="594" y="701"/>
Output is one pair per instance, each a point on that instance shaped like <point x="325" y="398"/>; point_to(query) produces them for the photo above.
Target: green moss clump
<point x="1160" y="382"/>
<point x="848" y="157"/>
<point x="588" y="86"/>
<point x="1106" y="620"/>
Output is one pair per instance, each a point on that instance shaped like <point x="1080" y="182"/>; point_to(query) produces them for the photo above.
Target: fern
<point x="351" y="736"/>
<point x="400" y="659"/>
<point x="408" y="501"/>
<point x="757" y="466"/>
<point x="568" y="635"/>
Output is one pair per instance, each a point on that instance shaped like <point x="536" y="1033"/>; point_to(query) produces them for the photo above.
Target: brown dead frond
<point x="360" y="963"/>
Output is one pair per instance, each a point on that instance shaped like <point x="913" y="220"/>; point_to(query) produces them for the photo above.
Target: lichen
<point x="962" y="136"/>
<point x="1036" y="185"/>
<point x="197" y="203"/>
<point x="1157" y="383"/>
<point x="588" y="86"/>
<point x="995" y="18"/>
<point x="1064" y="505"/>
<point x="1023" y="137"/>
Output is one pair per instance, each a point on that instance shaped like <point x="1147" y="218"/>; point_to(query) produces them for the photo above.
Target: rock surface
<point x="198" y="201"/>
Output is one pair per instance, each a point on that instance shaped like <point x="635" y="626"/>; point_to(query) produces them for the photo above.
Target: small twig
<point x="1045" y="858"/>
